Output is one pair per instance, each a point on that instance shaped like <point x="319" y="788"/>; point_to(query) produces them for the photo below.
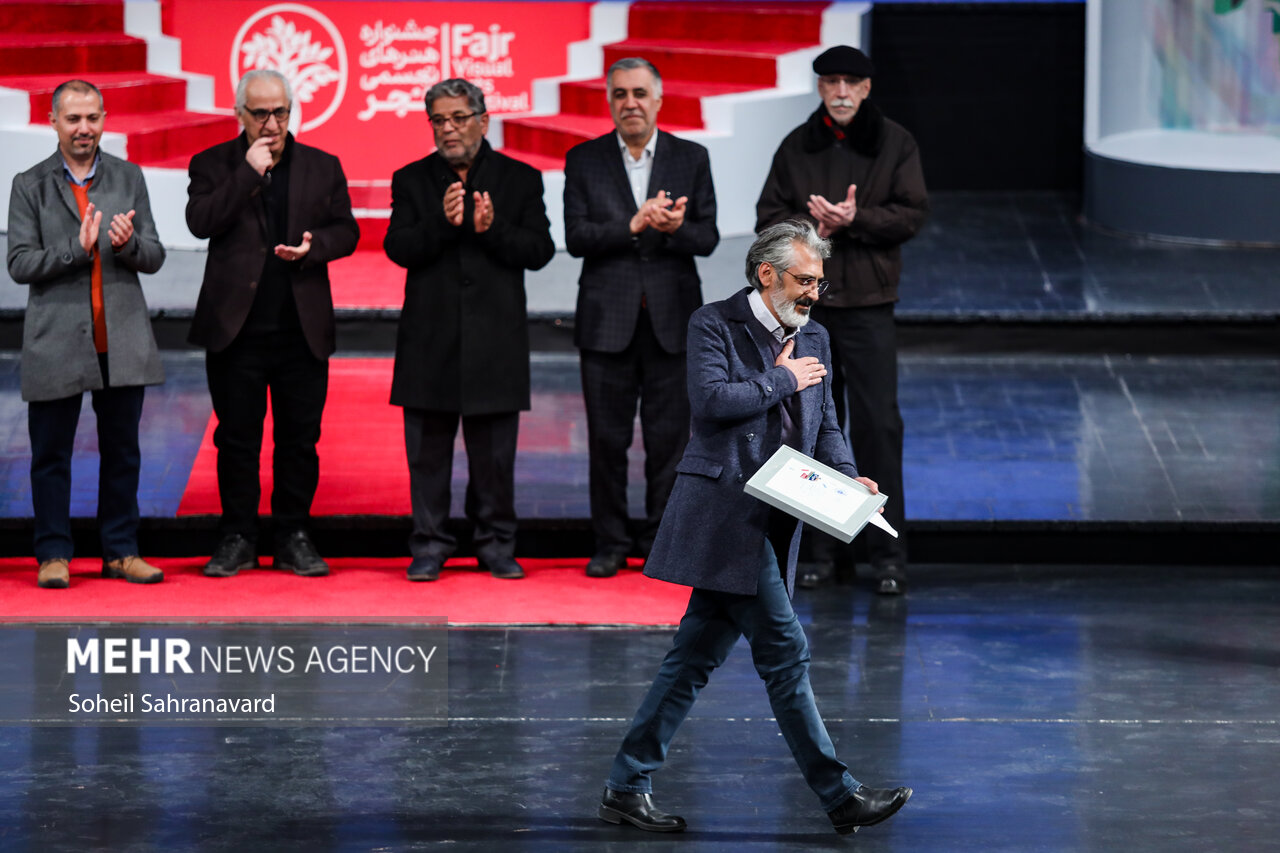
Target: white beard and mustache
<point x="786" y="308"/>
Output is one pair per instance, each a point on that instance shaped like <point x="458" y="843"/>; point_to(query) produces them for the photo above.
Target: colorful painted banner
<point x="359" y="70"/>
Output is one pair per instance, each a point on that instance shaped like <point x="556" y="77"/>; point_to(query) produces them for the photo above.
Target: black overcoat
<point x="463" y="341"/>
<point x="881" y="158"/>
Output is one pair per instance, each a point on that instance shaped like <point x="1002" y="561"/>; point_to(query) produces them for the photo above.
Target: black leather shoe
<point x="425" y="568"/>
<point x="891" y="580"/>
<point x="503" y="568"/>
<point x="605" y="565"/>
<point x="637" y="810"/>
<point x="233" y="554"/>
<point x="299" y="555"/>
<point x="867" y="807"/>
<point x="813" y="575"/>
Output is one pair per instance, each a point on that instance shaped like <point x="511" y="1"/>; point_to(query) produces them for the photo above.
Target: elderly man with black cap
<point x="857" y="176"/>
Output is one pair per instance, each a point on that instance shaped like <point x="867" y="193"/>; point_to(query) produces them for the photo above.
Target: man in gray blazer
<point x="80" y="231"/>
<point x="638" y="206"/>
<point x="756" y="381"/>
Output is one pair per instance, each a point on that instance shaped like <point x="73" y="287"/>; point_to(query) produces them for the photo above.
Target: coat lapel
<point x="60" y="184"/>
<point x="298" y="183"/>
<point x="613" y="165"/>
<point x="751" y="328"/>
<point x="810" y="408"/>
<point x="659" y="175"/>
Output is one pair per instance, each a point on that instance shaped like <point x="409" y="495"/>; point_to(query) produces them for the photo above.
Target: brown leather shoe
<point x="54" y="574"/>
<point x="134" y="569"/>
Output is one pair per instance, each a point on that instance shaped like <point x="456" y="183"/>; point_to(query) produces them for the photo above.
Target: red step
<point x="541" y="162"/>
<point x="53" y="16"/>
<point x="373" y="230"/>
<point x="370" y="195"/>
<point x="70" y="54"/>
<point x="161" y="137"/>
<point x="743" y="63"/>
<point x="552" y="136"/>
<point x="727" y="21"/>
<point x="122" y="92"/>
<point x="681" y="99"/>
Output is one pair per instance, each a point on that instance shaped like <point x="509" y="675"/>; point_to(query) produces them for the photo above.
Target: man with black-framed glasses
<point x="857" y="176"/>
<point x="276" y="212"/>
<point x="466" y="222"/>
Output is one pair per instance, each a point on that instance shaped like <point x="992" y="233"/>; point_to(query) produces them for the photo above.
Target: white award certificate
<point x="816" y="494"/>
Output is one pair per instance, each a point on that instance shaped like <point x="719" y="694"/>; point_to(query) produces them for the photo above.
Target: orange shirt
<point x="95" y="278"/>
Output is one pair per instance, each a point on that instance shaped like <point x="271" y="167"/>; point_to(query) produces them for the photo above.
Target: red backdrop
<point x="361" y="67"/>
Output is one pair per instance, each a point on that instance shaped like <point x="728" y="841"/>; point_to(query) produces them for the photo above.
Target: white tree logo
<point x="306" y="61"/>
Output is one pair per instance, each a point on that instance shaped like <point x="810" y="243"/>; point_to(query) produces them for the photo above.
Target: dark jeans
<point x="490" y="501"/>
<point x="52" y="426"/>
<point x="240" y="377"/>
<point x="612" y="384"/>
<point x="864" y="349"/>
<point x="708" y="631"/>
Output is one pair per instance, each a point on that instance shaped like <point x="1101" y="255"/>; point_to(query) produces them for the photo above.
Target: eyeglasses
<point x="810" y="282"/>
<point x="458" y="120"/>
<point x="280" y="114"/>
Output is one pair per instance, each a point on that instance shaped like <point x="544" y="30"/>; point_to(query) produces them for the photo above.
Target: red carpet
<point x="556" y="592"/>
<point x="367" y="279"/>
<point x="362" y="464"/>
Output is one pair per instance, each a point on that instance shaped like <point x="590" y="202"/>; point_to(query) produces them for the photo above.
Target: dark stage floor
<point x="1078" y="438"/>
<point x="1073" y="709"/>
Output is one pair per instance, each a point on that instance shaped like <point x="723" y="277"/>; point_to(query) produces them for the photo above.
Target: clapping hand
<point x="89" y="228"/>
<point x="833" y="217"/>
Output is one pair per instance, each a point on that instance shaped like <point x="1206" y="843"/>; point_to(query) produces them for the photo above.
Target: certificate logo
<point x="306" y="48"/>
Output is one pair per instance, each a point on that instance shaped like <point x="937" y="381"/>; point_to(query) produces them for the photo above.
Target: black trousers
<point x="612" y="385"/>
<point x="240" y="378"/>
<point x="864" y="347"/>
<point x="52" y="427"/>
<point x="490" y="501"/>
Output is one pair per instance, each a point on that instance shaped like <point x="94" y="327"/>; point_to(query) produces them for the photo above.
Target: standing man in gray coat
<point x="80" y="231"/>
<point x="756" y="382"/>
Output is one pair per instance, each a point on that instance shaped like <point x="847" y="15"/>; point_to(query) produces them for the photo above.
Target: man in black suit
<point x="276" y="212"/>
<point x="466" y="222"/>
<point x="638" y="205"/>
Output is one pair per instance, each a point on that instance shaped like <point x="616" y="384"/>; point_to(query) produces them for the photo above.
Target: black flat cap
<point x="843" y="59"/>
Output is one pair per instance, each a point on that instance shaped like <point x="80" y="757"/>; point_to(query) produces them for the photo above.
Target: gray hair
<point x="82" y="87"/>
<point x="242" y="88"/>
<point x="630" y="62"/>
<point x="456" y="87"/>
<point x="776" y="246"/>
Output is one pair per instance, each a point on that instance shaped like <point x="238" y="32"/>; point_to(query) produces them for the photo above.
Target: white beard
<point x="786" y="310"/>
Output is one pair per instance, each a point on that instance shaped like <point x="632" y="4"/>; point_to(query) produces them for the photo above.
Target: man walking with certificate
<point x="756" y="382"/>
